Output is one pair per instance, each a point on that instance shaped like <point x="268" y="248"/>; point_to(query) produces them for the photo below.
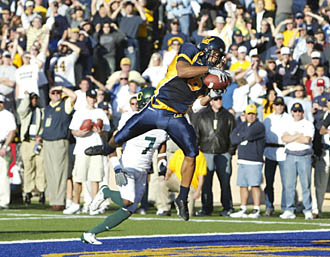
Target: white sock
<point x="68" y="203"/>
<point x="256" y="208"/>
<point x="243" y="207"/>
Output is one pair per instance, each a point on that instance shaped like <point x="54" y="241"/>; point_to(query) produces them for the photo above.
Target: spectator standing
<point x="87" y="168"/>
<point x="125" y="65"/>
<point x="321" y="175"/>
<point x="249" y="136"/>
<point x="81" y="101"/>
<point x="62" y="64"/>
<point x="57" y="118"/>
<point x="298" y="138"/>
<point x="27" y="76"/>
<point x="109" y="38"/>
<point x="7" y="134"/>
<point x="129" y="24"/>
<point x="156" y="71"/>
<point x="287" y="71"/>
<point x="170" y="182"/>
<point x="7" y="80"/>
<point x="182" y="11"/>
<point x="174" y="33"/>
<point x="31" y="117"/>
<point x="275" y="153"/>
<point x="221" y="29"/>
<point x="299" y="97"/>
<point x="213" y="127"/>
<point x="274" y="50"/>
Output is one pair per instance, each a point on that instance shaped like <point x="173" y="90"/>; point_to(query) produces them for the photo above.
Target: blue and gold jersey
<point x="178" y="94"/>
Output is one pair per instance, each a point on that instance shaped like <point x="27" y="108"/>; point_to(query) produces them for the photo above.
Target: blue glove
<point x="222" y="75"/>
<point x="120" y="177"/>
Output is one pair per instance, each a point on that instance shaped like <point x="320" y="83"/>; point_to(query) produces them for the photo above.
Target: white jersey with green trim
<point x="138" y="151"/>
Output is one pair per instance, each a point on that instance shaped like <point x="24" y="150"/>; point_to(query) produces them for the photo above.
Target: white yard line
<point x="17" y="216"/>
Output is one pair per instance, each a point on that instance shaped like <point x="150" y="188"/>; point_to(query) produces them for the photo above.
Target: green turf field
<point x="36" y="222"/>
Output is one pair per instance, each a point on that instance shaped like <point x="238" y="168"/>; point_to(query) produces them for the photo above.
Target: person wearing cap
<point x="297" y="137"/>
<point x="298" y="41"/>
<point x="272" y="52"/>
<point x="320" y="81"/>
<point x="249" y="136"/>
<point x="87" y="168"/>
<point x="33" y="27"/>
<point x="287" y="71"/>
<point x="172" y="52"/>
<point x="77" y="13"/>
<point x="31" y="118"/>
<point x="174" y="32"/>
<point x="306" y="58"/>
<point x="27" y="76"/>
<point x="7" y="80"/>
<point x="213" y="127"/>
<point x="7" y="135"/>
<point x="55" y="134"/>
<point x="62" y="65"/>
<point x="299" y="96"/>
<point x="239" y="40"/>
<point x="322" y="165"/>
<point x="180" y="11"/>
<point x="221" y="29"/>
<point x="274" y="153"/>
<point x="125" y="65"/>
<point x="242" y="62"/>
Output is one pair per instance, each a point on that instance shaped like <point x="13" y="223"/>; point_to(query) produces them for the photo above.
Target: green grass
<point x="63" y="226"/>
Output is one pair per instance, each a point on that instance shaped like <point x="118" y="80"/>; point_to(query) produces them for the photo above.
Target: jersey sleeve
<point x="187" y="53"/>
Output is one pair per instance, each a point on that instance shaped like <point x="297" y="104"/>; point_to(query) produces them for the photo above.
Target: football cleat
<point x="182" y="208"/>
<point x="99" y="150"/>
<point x="90" y="238"/>
<point x="98" y="199"/>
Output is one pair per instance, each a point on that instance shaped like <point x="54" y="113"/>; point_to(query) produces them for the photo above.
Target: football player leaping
<point x="178" y="91"/>
<point x="130" y="174"/>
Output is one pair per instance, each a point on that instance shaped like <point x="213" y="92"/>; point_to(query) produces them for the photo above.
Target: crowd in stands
<point x="59" y="56"/>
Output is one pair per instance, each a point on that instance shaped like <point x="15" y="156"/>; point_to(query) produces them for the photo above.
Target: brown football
<point x="87" y="124"/>
<point x="98" y="124"/>
<point x="212" y="81"/>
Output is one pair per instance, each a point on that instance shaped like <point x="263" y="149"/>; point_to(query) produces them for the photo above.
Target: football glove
<point x="120" y="177"/>
<point x="222" y="75"/>
<point x="162" y="167"/>
<point x="214" y="93"/>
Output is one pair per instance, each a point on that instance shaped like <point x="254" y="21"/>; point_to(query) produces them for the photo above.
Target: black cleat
<point x="99" y="150"/>
<point x="28" y="197"/>
<point x="42" y="198"/>
<point x="182" y="208"/>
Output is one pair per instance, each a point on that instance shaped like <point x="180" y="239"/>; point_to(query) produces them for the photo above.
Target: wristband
<point x="115" y="163"/>
<point x="161" y="155"/>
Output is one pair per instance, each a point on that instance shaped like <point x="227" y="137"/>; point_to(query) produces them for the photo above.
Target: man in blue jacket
<point x="249" y="136"/>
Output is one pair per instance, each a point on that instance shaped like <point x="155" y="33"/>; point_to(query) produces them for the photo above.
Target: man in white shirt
<point x="7" y="134"/>
<point x="27" y="77"/>
<point x="298" y="138"/>
<point x="274" y="152"/>
<point x="7" y="80"/>
<point x="62" y="65"/>
<point x="87" y="168"/>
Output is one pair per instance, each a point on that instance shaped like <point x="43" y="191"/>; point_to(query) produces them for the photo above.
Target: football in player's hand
<point x="86" y="125"/>
<point x="98" y="124"/>
<point x="212" y="81"/>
